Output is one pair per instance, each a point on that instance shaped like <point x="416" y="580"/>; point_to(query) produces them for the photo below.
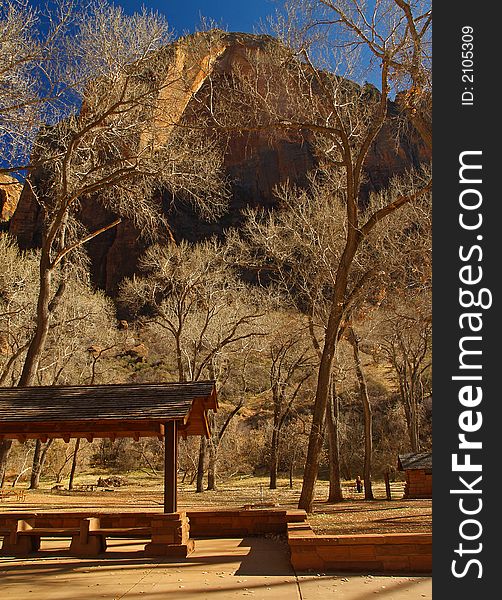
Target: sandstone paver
<point x="219" y="569"/>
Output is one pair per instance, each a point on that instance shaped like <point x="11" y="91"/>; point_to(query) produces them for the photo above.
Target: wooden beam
<point x="171" y="467"/>
<point x="55" y="428"/>
<point x="88" y="435"/>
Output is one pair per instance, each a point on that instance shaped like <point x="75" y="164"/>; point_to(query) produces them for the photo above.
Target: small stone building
<point x="418" y="471"/>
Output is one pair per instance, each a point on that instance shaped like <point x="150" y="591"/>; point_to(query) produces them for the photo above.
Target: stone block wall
<point x="385" y="553"/>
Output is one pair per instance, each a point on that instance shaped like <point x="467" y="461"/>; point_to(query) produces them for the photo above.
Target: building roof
<point x="105" y="410"/>
<point x="412" y="461"/>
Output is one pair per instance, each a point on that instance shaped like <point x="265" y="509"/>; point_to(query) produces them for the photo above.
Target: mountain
<point x="254" y="162"/>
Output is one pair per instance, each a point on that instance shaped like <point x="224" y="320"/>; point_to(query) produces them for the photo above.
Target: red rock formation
<point x="254" y="163"/>
<point x="10" y="190"/>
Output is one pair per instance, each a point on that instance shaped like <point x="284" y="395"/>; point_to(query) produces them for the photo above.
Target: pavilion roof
<point x="119" y="410"/>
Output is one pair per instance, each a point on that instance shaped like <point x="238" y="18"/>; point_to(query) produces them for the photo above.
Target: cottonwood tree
<point x="82" y="319"/>
<point x="30" y="57"/>
<point x="18" y="283"/>
<point x="403" y="323"/>
<point x="354" y="341"/>
<point x="292" y="362"/>
<point x="299" y="246"/>
<point x="303" y="244"/>
<point x="406" y="345"/>
<point x="191" y="295"/>
<point x="342" y="121"/>
<point x="402" y="248"/>
<point x="111" y="149"/>
<point x="232" y="377"/>
<point x="18" y="278"/>
<point x="398" y="34"/>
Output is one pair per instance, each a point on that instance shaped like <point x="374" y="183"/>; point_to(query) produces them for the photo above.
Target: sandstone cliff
<point x="10" y="191"/>
<point x="254" y="164"/>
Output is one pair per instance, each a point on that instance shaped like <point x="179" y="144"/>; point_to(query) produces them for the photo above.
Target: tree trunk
<point x="274" y="458"/>
<point x="411" y="414"/>
<point x="316" y="432"/>
<point x="211" y="466"/>
<point x="74" y="463"/>
<point x="291" y="471"/>
<point x="179" y="359"/>
<point x="328" y="355"/>
<point x="5" y="446"/>
<point x="386" y="478"/>
<point x="37" y="344"/>
<point x="200" y="465"/>
<point x="335" y="484"/>
<point x="39" y="457"/>
<point x="368" y="416"/>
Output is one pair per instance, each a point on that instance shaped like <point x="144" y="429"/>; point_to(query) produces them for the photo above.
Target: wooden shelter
<point x="165" y="410"/>
<point x="418" y="472"/>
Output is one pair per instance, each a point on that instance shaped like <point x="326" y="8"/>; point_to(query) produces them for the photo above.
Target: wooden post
<point x="387" y="485"/>
<point x="171" y="467"/>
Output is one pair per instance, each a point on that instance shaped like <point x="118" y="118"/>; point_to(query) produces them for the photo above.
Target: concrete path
<point x="256" y="568"/>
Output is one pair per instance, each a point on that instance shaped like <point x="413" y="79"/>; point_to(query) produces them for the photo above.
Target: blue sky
<point x="184" y="15"/>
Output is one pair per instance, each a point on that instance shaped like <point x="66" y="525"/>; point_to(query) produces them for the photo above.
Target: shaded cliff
<point x="255" y="162"/>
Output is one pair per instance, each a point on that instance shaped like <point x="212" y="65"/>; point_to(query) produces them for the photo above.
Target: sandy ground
<point x="354" y="515"/>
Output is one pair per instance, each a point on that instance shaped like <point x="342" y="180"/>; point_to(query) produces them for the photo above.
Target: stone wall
<point x="384" y="553"/>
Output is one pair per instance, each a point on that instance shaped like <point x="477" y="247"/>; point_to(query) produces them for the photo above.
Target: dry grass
<point x="352" y="516"/>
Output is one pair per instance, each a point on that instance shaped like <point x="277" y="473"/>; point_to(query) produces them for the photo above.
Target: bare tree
<point x="18" y="282"/>
<point x="17" y="298"/>
<point x="354" y="341"/>
<point x="111" y="148"/>
<point x="83" y="318"/>
<point x="406" y="343"/>
<point x="303" y="246"/>
<point x="291" y="364"/>
<point x="232" y="393"/>
<point x="30" y="48"/>
<point x="190" y="294"/>
<point x="392" y="30"/>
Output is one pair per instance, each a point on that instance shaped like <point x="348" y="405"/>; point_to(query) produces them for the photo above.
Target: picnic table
<point x="19" y="495"/>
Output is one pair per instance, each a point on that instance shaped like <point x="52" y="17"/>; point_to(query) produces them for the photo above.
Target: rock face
<point x="253" y="163"/>
<point x="10" y="191"/>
